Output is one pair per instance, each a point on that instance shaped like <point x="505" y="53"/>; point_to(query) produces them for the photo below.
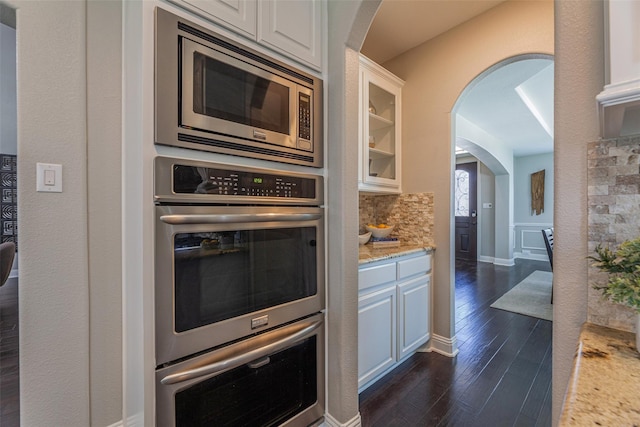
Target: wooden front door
<point x="466" y="211"/>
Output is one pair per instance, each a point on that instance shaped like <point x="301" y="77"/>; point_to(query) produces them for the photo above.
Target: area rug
<point x="531" y="297"/>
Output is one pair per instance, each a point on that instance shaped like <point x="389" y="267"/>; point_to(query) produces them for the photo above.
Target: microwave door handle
<point x="174" y="219"/>
<point x="243" y="358"/>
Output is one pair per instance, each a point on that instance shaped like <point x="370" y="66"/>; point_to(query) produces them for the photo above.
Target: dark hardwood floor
<point x="500" y="377"/>
<point x="9" y="374"/>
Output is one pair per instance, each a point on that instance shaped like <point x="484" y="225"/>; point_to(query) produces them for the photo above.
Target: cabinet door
<point x="380" y="129"/>
<point x="413" y="315"/>
<point x="293" y="27"/>
<point x="376" y="334"/>
<point x="240" y="15"/>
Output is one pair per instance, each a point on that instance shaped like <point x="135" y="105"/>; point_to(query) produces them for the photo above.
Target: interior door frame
<point x="474" y="218"/>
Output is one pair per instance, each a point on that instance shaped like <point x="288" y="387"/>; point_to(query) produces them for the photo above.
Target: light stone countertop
<point x="368" y="254"/>
<point x="604" y="388"/>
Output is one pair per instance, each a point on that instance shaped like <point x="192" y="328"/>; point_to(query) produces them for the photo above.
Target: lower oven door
<point x="275" y="378"/>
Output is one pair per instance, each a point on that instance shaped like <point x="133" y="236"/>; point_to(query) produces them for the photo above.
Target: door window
<point x="462" y="193"/>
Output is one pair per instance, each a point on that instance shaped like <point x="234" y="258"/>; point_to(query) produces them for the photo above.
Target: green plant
<point x="623" y="266"/>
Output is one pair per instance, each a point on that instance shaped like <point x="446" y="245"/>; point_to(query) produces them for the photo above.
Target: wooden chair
<point x="547" y="235"/>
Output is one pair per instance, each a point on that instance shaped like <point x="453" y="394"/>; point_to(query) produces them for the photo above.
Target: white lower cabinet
<point x="376" y="333"/>
<point x="393" y="314"/>
<point x="413" y="315"/>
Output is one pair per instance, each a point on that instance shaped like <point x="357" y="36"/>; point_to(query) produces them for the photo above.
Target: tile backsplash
<point x="614" y="216"/>
<point x="411" y="214"/>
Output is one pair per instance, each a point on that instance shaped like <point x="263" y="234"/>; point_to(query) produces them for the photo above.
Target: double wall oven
<point x="239" y="295"/>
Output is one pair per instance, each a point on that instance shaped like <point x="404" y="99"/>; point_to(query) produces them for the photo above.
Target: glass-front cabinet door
<point x="380" y="141"/>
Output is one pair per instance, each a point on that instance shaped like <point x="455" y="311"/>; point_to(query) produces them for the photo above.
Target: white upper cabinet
<point x="237" y="15"/>
<point x="620" y="99"/>
<point x="380" y="129"/>
<point x="291" y="27"/>
<point x="294" y="27"/>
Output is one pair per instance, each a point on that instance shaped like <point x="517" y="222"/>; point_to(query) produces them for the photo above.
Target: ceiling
<point x="514" y="103"/>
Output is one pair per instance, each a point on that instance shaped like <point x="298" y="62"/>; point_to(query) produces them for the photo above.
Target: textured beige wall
<point x="436" y="73"/>
<point x="53" y="291"/>
<point x="579" y="77"/>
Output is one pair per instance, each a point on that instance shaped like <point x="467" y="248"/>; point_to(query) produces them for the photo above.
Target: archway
<point x="527" y="73"/>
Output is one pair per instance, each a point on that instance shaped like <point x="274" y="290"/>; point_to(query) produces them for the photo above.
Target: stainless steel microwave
<point x="215" y="95"/>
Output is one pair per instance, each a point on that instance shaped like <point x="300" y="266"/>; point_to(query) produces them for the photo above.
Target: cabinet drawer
<point x="413" y="266"/>
<point x="373" y="276"/>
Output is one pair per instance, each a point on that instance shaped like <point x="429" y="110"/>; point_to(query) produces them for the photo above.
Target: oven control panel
<point x="200" y="182"/>
<point x="239" y="183"/>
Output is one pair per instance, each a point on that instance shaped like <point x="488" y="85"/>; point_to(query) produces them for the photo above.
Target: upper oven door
<point x="223" y="273"/>
<point x="225" y="95"/>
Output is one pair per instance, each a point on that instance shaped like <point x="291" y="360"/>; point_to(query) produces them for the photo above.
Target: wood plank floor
<point x="500" y="377"/>
<point x="9" y="372"/>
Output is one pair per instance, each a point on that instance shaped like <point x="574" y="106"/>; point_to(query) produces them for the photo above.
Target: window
<point x="462" y="193"/>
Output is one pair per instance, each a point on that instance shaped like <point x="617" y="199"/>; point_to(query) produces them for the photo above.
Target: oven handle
<point x="236" y="218"/>
<point x="244" y="358"/>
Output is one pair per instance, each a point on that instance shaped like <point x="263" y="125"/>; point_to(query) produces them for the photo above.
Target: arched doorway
<point x="495" y="119"/>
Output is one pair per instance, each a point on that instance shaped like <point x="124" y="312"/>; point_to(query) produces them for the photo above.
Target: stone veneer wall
<point x="614" y="216"/>
<point x="411" y="214"/>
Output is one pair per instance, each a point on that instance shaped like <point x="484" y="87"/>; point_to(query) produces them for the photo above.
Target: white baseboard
<point x="536" y="225"/>
<point x="535" y="257"/>
<point x="516" y="255"/>
<point x="497" y="261"/>
<point x="118" y="424"/>
<point x="508" y="262"/>
<point x="329" y="421"/>
<point x="445" y="346"/>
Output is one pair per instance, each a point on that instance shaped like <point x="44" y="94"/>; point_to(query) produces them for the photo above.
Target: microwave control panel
<point x="217" y="181"/>
<point x="304" y="118"/>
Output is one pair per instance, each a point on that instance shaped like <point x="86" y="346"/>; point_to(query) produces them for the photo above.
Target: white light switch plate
<point x="48" y="178"/>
